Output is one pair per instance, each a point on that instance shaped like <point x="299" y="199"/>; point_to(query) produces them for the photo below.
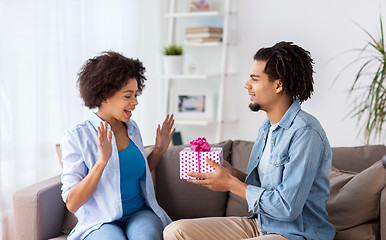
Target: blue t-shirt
<point x="132" y="168"/>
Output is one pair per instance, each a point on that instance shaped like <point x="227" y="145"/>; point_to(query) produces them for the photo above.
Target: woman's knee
<point x="144" y="224"/>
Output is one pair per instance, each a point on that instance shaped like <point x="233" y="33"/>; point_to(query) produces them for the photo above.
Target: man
<point x="286" y="185"/>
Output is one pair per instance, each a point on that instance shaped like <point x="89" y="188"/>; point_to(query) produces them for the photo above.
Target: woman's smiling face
<point x="122" y="103"/>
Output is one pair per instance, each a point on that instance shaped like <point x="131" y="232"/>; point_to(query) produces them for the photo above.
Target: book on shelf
<point x="202" y="40"/>
<point x="204" y="29"/>
<point x="203" y="35"/>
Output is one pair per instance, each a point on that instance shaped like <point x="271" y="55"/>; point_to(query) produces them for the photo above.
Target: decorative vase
<point x="173" y="64"/>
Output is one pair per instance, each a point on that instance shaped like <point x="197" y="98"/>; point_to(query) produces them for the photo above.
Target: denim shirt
<point x="291" y="198"/>
<point x="80" y="153"/>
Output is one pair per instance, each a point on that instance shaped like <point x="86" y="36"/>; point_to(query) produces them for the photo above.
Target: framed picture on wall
<point x="191" y="104"/>
<point x="199" y="5"/>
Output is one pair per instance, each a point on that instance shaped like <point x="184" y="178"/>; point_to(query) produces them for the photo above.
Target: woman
<point x="106" y="176"/>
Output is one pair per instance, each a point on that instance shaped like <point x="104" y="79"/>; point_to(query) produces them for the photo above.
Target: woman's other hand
<point x="104" y="143"/>
<point x="164" y="134"/>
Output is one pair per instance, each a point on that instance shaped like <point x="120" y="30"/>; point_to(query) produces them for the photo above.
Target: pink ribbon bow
<point x="200" y="145"/>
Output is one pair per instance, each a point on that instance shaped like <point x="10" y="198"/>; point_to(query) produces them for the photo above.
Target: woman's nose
<point x="135" y="102"/>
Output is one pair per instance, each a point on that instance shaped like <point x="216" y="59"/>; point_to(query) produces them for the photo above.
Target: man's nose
<point x="247" y="85"/>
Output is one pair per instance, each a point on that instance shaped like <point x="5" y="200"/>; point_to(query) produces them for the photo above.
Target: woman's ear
<point x="102" y="103"/>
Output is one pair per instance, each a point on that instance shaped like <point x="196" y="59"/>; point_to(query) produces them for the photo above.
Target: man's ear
<point x="278" y="86"/>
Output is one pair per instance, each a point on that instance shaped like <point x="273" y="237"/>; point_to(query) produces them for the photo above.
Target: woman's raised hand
<point x="164" y="134"/>
<point x="104" y="143"/>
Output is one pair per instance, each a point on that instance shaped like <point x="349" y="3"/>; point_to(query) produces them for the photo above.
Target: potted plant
<point x="173" y="59"/>
<point x="370" y="85"/>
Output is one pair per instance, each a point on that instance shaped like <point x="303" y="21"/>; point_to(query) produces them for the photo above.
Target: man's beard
<point x="254" y="107"/>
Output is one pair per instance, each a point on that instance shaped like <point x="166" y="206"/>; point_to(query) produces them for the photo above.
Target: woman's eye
<point x="131" y="96"/>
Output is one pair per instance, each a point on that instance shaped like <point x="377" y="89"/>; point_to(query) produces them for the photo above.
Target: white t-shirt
<point x="263" y="164"/>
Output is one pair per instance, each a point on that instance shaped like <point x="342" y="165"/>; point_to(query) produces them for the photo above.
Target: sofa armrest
<point x="39" y="210"/>
<point x="382" y="217"/>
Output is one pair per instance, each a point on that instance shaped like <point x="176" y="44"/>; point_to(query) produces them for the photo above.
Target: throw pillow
<point x="355" y="198"/>
<point x="367" y="231"/>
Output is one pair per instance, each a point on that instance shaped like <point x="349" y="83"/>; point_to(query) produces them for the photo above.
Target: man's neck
<point x="276" y="113"/>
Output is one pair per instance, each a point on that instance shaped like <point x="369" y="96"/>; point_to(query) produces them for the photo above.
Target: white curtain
<point x="43" y="44"/>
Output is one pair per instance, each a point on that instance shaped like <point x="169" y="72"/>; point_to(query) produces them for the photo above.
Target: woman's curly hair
<point x="292" y="65"/>
<point x="102" y="76"/>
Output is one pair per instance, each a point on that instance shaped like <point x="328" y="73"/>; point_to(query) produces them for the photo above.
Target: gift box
<point x="193" y="159"/>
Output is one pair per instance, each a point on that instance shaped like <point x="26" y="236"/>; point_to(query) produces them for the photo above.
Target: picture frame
<point x="191" y="104"/>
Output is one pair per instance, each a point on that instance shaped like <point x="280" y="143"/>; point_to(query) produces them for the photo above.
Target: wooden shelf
<point x="205" y="44"/>
<point x="195" y="14"/>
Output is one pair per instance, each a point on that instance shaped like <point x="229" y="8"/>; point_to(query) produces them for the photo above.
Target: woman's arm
<point x="81" y="192"/>
<point x="154" y="158"/>
<point x="164" y="136"/>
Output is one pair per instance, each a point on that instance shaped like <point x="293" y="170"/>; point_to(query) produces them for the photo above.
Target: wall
<point x="326" y="29"/>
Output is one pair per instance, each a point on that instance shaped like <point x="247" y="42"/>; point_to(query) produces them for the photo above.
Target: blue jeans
<point x="141" y="225"/>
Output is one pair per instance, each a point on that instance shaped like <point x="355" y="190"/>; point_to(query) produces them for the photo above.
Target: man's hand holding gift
<point x="218" y="180"/>
<point x="193" y="159"/>
<point x="203" y="165"/>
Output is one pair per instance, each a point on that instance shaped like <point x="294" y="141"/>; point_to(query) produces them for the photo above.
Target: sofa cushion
<point x="355" y="198"/>
<point x="181" y="199"/>
<point x="241" y="150"/>
<point x="357" y="159"/>
<point x="62" y="237"/>
<point x="69" y="222"/>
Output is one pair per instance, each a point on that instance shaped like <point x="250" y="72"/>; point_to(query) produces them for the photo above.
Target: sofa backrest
<point x="241" y="150"/>
<point x="357" y="159"/>
<point x="181" y="199"/>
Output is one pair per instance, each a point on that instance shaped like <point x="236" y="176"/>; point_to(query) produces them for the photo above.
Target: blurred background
<point x="44" y="43"/>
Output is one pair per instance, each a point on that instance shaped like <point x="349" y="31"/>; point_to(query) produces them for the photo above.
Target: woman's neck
<point x="115" y="124"/>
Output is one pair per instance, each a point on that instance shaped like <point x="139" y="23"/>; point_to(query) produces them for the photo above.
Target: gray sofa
<point x="357" y="206"/>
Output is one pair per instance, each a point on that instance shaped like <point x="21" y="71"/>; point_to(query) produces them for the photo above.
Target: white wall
<point x="325" y="28"/>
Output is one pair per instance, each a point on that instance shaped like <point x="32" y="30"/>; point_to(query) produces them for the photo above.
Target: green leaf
<point x="173" y="49"/>
<point x="369" y="106"/>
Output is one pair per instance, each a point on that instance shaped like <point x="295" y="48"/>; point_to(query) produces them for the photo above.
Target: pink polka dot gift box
<point x="193" y="159"/>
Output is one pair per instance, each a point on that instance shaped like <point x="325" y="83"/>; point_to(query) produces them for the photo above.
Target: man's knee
<point x="175" y="230"/>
